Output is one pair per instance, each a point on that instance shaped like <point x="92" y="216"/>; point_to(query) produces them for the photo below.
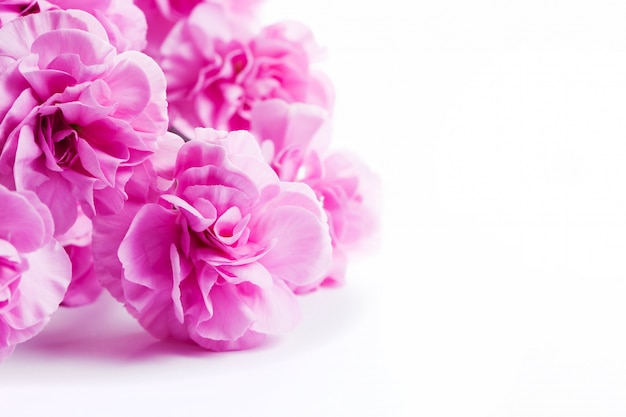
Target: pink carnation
<point x="34" y="269"/>
<point x="75" y="116"/>
<point x="216" y="71"/>
<point x="174" y="10"/>
<point x="124" y="22"/>
<point x="212" y="260"/>
<point x="163" y="15"/>
<point x="294" y="139"/>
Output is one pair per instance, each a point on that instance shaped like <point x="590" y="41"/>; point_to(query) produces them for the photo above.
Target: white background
<point x="499" y="288"/>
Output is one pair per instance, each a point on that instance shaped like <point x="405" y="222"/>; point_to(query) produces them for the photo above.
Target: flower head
<point x="163" y="15"/>
<point x="75" y="116"/>
<point x="213" y="259"/>
<point x="216" y="70"/>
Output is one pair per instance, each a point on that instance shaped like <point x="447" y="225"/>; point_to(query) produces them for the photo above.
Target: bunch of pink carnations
<point x="176" y="154"/>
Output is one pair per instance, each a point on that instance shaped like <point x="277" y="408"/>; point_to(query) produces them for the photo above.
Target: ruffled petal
<point x="42" y="288"/>
<point x="302" y="250"/>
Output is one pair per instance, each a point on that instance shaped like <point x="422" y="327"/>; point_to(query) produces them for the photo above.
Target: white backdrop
<point x="499" y="131"/>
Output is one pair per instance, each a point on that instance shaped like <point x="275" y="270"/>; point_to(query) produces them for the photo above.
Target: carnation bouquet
<point x="177" y="155"/>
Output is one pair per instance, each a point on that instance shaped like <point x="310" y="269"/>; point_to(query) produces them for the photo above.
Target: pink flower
<point x="162" y="15"/>
<point x="350" y="193"/>
<point x="294" y="139"/>
<point x="124" y="22"/>
<point x="212" y="260"/>
<point x="216" y="70"/>
<point x="75" y="116"/>
<point x="174" y="10"/>
<point x="34" y="269"/>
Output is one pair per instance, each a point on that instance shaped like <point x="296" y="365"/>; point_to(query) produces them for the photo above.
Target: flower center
<point x="65" y="150"/>
<point x="58" y="139"/>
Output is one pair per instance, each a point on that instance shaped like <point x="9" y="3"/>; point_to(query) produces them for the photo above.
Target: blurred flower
<point x="216" y="70"/>
<point x="163" y="15"/>
<point x="294" y="139"/>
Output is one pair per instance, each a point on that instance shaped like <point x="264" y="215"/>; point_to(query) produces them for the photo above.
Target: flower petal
<point x="42" y="288"/>
<point x="302" y="251"/>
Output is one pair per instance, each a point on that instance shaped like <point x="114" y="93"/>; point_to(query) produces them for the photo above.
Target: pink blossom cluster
<point x="177" y="155"/>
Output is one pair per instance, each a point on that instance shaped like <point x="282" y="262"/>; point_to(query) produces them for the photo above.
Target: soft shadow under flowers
<point x="102" y="334"/>
<point x="102" y="331"/>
